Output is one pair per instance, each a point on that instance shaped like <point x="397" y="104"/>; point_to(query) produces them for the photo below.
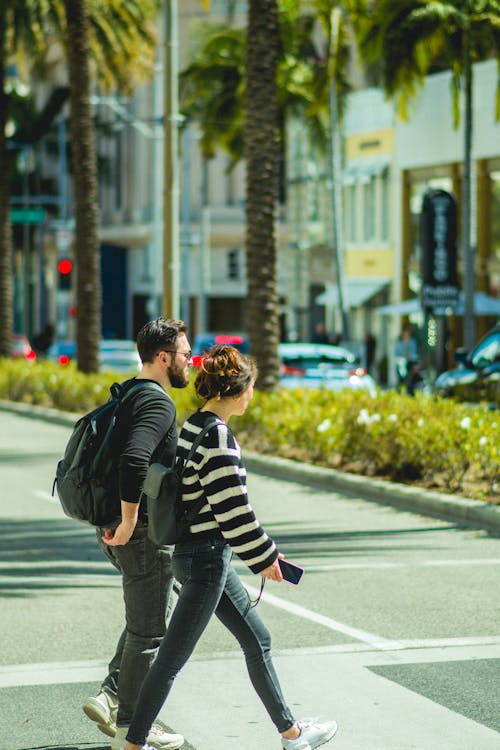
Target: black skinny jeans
<point x="209" y="584"/>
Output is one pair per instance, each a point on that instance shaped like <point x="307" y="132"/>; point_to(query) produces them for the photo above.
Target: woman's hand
<point x="273" y="572"/>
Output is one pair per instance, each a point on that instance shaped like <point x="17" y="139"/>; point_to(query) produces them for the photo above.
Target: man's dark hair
<point x="158" y="335"/>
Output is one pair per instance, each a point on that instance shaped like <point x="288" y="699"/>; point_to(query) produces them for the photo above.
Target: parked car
<point x="21" y="348"/>
<point x="323" y="366"/>
<point x="119" y="355"/>
<point x="477" y="376"/>
<point x="62" y="352"/>
<point x="204" y="341"/>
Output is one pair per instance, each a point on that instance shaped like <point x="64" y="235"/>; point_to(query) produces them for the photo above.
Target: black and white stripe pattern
<point x="217" y="472"/>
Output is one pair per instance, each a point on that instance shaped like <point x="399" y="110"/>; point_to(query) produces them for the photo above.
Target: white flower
<point x="325" y="424"/>
<point x="465" y="423"/>
<point x="375" y="418"/>
<point x="364" y="417"/>
<point x="392" y="417"/>
<point x="420" y="422"/>
<point x="483" y="440"/>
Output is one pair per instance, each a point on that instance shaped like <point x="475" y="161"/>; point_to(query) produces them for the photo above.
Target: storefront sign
<point x="439" y="250"/>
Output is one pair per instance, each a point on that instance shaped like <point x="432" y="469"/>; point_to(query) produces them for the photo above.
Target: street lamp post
<point x="171" y="252"/>
<point x="336" y="200"/>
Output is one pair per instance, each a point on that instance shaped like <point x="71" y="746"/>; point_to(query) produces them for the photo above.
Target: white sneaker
<point x="157" y="739"/>
<point x="102" y="709"/>
<point x="311" y="735"/>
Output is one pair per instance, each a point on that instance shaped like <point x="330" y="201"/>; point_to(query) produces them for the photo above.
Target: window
<point x="384" y="206"/>
<point x="350" y="213"/>
<point x="368" y="197"/>
<point x="233" y="264"/>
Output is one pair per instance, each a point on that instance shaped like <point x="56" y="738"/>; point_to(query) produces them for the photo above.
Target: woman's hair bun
<point x="224" y="372"/>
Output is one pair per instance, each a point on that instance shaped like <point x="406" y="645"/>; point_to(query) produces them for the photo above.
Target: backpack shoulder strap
<point x="197" y="441"/>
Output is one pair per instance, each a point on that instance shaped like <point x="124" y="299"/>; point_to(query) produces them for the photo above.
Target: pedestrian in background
<point x="201" y="561"/>
<point x="320" y="335"/>
<point x="406" y="354"/>
<point x="370" y="347"/>
<point x="146" y="431"/>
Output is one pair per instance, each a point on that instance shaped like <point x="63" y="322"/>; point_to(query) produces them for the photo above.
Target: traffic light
<point x="64" y="269"/>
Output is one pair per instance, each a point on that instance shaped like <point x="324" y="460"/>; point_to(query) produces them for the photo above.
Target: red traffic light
<point x="65" y="266"/>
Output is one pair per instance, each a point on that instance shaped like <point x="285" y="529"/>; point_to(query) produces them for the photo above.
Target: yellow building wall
<point x="372" y="262"/>
<point x="369" y="144"/>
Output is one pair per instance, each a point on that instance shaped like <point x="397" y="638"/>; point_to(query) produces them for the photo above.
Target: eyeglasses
<point x="187" y="355"/>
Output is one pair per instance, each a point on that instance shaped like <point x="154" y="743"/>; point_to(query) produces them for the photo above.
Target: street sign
<point x="27" y="215"/>
<point x="439" y="250"/>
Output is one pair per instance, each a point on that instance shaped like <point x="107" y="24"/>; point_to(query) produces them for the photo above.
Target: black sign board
<point x="439" y="250"/>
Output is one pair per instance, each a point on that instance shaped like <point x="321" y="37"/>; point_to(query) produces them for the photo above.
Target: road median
<point x="406" y="497"/>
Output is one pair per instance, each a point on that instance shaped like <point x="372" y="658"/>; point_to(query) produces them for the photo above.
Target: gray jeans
<point x="147" y="581"/>
<point x="209" y="585"/>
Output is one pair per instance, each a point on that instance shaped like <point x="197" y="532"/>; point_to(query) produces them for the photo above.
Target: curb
<point x="406" y="497"/>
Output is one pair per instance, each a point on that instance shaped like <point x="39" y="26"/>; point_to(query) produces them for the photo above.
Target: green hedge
<point x="427" y="440"/>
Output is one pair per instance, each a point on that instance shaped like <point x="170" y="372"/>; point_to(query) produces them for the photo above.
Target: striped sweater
<point x="216" y="472"/>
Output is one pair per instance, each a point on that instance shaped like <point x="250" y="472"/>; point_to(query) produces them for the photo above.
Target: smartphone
<point x="291" y="573"/>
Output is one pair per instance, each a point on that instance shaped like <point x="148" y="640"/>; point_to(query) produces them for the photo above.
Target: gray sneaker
<point x="311" y="735"/>
<point x="102" y="709"/>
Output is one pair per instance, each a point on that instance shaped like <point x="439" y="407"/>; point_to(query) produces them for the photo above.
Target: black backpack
<point x="169" y="518"/>
<point x="86" y="476"/>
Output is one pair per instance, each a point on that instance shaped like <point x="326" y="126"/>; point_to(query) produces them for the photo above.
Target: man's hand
<point x="125" y="528"/>
<point x="120" y="536"/>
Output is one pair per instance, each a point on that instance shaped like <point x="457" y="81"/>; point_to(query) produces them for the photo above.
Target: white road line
<point x="432" y="650"/>
<point x="374" y="641"/>
<point x="46" y="496"/>
<point x="67" y="580"/>
<point x="409" y="564"/>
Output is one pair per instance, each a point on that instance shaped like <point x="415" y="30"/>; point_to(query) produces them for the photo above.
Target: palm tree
<point x="118" y="39"/>
<point x="409" y="39"/>
<point x="213" y="84"/>
<point x="240" y="88"/>
<point x="6" y="294"/>
<point x="88" y="290"/>
<point x="262" y="186"/>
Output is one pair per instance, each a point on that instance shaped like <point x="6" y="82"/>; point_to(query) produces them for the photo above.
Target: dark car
<point x="477" y="377"/>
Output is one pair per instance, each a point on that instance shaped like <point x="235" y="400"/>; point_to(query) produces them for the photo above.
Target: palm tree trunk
<point x="87" y="255"/>
<point x="6" y="295"/>
<point x="262" y="164"/>
<point x="469" y="272"/>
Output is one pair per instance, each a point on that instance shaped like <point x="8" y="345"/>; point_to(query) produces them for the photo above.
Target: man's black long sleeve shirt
<point x="146" y="432"/>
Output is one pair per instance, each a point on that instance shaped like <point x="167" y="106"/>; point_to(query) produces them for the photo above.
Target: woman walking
<point x="201" y="562"/>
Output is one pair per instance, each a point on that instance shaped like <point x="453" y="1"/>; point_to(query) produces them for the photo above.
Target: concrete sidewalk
<point x="373" y="713"/>
<point x="407" y="497"/>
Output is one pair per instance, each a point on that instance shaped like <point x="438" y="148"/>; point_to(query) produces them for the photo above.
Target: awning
<point x="363" y="170"/>
<point x="483" y="305"/>
<point x="358" y="291"/>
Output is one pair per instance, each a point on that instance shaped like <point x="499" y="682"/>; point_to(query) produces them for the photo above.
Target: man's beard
<point x="178" y="376"/>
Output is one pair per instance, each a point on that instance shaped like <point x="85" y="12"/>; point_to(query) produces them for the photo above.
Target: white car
<point x="323" y="366"/>
<point x="119" y="355"/>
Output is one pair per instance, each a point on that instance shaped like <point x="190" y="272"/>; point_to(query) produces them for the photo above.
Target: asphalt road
<point x="394" y="629"/>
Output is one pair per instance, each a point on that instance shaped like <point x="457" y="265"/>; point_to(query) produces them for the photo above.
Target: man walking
<point x="146" y="431"/>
